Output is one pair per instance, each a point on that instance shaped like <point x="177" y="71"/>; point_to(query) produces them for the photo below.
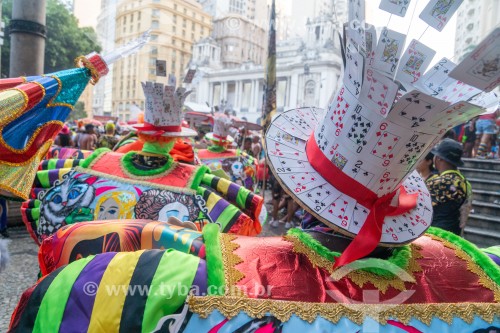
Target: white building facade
<point x="308" y="73"/>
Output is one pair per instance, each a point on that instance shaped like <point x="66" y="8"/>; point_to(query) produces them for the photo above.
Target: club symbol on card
<point x="359" y="130"/>
<point x="339" y="160"/>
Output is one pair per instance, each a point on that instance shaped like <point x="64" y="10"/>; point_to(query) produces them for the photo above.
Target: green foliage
<point x="78" y="112"/>
<point x="65" y="40"/>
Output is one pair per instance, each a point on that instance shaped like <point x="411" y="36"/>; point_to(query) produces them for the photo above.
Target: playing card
<point x="459" y="91"/>
<point x="172" y="80"/>
<point x="339" y="211"/>
<point x="396" y="7"/>
<point x="285" y="165"/>
<point x="378" y="92"/>
<point x="189" y="76"/>
<point x="292" y="127"/>
<point x="451" y="116"/>
<point x="295" y="119"/>
<point x="309" y="116"/>
<point x="481" y="68"/>
<point x="370" y="45"/>
<point x="486" y="100"/>
<point x="161" y="68"/>
<point x="303" y="181"/>
<point x="356" y="16"/>
<point x="387" y="183"/>
<point x="389" y="48"/>
<point x="320" y="197"/>
<point x="414" y="61"/>
<point x="414" y="148"/>
<point x="414" y="109"/>
<point x="284" y="138"/>
<point x="435" y="81"/>
<point x="353" y="74"/>
<point x="279" y="150"/>
<point x="437" y="13"/>
<point x="360" y="213"/>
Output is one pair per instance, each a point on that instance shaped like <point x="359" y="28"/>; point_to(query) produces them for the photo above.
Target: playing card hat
<point x="351" y="165"/>
<point x="220" y="135"/>
<point x="451" y="151"/>
<point x="163" y="111"/>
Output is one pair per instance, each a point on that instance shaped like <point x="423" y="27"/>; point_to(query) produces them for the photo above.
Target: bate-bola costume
<point x="369" y="262"/>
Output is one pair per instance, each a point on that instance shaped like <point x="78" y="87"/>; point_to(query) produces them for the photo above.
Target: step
<point x="483" y="184"/>
<point x="482" y="238"/>
<point x="486" y="208"/>
<point x="480" y="174"/>
<point x="475" y="163"/>
<point x="14" y="217"/>
<point x="485" y="196"/>
<point x="484" y="222"/>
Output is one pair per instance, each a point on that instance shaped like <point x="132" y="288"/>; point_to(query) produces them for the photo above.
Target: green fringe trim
<point x="400" y="256"/>
<point x="94" y="156"/>
<point x="129" y="166"/>
<point x="482" y="260"/>
<point x="216" y="149"/>
<point x="198" y="176"/>
<point x="215" y="265"/>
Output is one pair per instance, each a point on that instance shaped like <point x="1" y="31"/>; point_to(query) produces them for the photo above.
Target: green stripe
<point x="35" y="213"/>
<point x="241" y="197"/>
<point x="51" y="311"/>
<point x="43" y="177"/>
<point x="215" y="267"/>
<point x="170" y="287"/>
<point x="52" y="164"/>
<point x="227" y="216"/>
<point x="207" y="179"/>
<point x="86" y="162"/>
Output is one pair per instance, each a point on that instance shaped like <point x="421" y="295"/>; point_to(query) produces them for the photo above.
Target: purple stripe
<point x="200" y="279"/>
<point x="53" y="176"/>
<point x="60" y="164"/>
<point x="218" y="208"/>
<point x="232" y="191"/>
<point x="78" y="309"/>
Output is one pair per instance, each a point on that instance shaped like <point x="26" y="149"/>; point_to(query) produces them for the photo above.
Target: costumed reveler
<point x="233" y="164"/>
<point x="368" y="262"/>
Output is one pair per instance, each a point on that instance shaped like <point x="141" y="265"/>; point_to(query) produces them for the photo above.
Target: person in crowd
<point x="282" y="200"/>
<point x="247" y="146"/>
<point x="88" y="140"/>
<point x="109" y="139"/>
<point x="256" y="146"/>
<point x="469" y="138"/>
<point x="426" y="167"/>
<point x="450" y="191"/>
<point x="485" y="130"/>
<point x="3" y="218"/>
<point x="80" y="130"/>
<point x="64" y="138"/>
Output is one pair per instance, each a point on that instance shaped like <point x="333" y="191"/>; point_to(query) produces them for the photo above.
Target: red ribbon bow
<point x="371" y="232"/>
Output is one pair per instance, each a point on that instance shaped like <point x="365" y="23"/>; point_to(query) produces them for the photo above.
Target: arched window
<point x="309" y="93"/>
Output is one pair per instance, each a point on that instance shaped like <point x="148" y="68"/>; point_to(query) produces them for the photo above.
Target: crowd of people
<point x="480" y="136"/>
<point x="88" y="136"/>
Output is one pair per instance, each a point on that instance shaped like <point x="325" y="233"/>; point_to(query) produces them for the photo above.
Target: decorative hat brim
<point x="185" y="132"/>
<point x="211" y="137"/>
<point x="287" y="157"/>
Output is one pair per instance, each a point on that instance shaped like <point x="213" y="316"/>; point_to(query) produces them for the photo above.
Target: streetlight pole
<point x="27" y="37"/>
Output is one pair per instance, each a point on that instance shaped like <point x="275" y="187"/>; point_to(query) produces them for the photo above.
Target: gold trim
<point x="360" y="277"/>
<point x="30" y="141"/>
<point x="473" y="267"/>
<point x="59" y="88"/>
<point x="16" y="112"/>
<point x="231" y="275"/>
<point x="82" y="61"/>
<point x="230" y="307"/>
<point x="135" y="181"/>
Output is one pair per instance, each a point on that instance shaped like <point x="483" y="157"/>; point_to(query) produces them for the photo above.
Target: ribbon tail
<point x="365" y="242"/>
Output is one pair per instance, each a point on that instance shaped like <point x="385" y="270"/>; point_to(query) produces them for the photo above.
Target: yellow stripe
<point x="113" y="290"/>
<point x="223" y="185"/>
<point x="212" y="200"/>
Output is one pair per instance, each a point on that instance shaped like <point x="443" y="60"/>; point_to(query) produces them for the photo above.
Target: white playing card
<point x="459" y="91"/>
<point x="282" y="123"/>
<point x="415" y="109"/>
<point x="378" y="92"/>
<point x="481" y="69"/>
<point x="453" y="115"/>
<point x="356" y="16"/>
<point x="353" y="74"/>
<point x="389" y="47"/>
<point x="396" y="7"/>
<point x="487" y="101"/>
<point x="320" y="197"/>
<point x="279" y="150"/>
<point x="340" y="211"/>
<point x="370" y="45"/>
<point x="435" y="81"/>
<point x="285" y="165"/>
<point x="303" y="181"/>
<point x="413" y="149"/>
<point x="308" y="116"/>
<point x="437" y="13"/>
<point x="284" y="138"/>
<point x="360" y="213"/>
<point x="414" y="61"/>
<point x="295" y="119"/>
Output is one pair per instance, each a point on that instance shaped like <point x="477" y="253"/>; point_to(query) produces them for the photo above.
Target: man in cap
<point x="450" y="191"/>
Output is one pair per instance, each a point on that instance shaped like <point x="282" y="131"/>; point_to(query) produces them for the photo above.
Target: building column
<point x="294" y="84"/>
<point x="27" y="37"/>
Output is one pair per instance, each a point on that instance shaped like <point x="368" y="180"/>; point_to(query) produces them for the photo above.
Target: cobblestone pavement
<point x="20" y="274"/>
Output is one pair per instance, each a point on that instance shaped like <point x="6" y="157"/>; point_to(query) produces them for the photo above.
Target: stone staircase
<point x="483" y="227"/>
